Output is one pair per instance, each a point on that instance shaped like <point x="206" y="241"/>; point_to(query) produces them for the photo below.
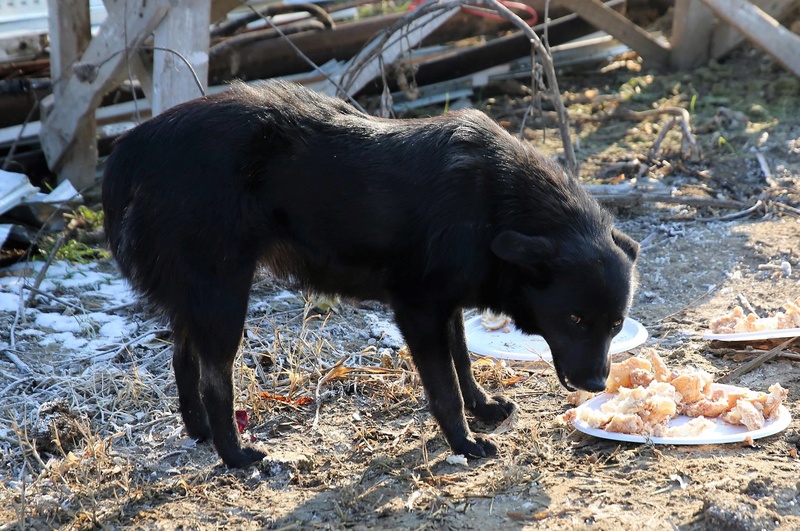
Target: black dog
<point x="429" y="215"/>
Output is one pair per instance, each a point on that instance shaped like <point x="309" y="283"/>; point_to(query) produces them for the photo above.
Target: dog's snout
<point x="595" y="384"/>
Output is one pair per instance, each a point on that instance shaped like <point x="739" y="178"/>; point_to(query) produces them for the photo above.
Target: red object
<point x="533" y="17"/>
<point x="241" y="419"/>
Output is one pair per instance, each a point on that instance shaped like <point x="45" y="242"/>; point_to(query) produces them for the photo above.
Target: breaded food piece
<point x="494" y="321"/>
<point x="693" y="428"/>
<point x="641" y="378"/>
<point x="661" y="372"/>
<point x="620" y="373"/>
<point x="625" y="423"/>
<point x="578" y="397"/>
<point x="745" y="413"/>
<point x="705" y="408"/>
<point x="692" y="386"/>
<point x="775" y="398"/>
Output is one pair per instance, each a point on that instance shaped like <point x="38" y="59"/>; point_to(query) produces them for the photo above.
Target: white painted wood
<point x="692" y="27"/>
<point x="605" y="18"/>
<point x="726" y="37"/>
<point x="79" y="98"/>
<point x="760" y="29"/>
<point x="184" y="30"/>
<point x="70" y="33"/>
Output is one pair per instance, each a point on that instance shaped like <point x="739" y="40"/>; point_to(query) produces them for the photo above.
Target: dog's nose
<point x="594" y="384"/>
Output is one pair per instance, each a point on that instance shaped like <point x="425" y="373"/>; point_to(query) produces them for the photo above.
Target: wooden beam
<point x="70" y="34"/>
<point x="760" y="29"/>
<point x="625" y="31"/>
<point x="184" y="31"/>
<point x="106" y="52"/>
<point x="726" y="37"/>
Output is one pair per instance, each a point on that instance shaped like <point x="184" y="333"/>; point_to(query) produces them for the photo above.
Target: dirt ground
<point x="352" y="444"/>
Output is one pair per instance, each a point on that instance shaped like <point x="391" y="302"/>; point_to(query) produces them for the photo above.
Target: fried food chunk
<point x="494" y="321"/>
<point x="692" y="386"/>
<point x="744" y="412"/>
<point x="693" y="428"/>
<point x="620" y="374"/>
<point x="578" y="397"/>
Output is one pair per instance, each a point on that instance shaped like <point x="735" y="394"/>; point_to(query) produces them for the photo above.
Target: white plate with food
<point x="739" y="325"/>
<point x="783" y="333"/>
<point x="719" y="433"/>
<point x="507" y="342"/>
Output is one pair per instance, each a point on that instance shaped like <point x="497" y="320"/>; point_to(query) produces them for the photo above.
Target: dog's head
<point x="575" y="292"/>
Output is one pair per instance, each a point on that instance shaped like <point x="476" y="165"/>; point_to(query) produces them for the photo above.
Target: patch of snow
<point x="385" y="330"/>
<point x="9" y="302"/>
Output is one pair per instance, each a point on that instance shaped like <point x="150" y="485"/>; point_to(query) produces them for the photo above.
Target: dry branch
<point x="757" y="362"/>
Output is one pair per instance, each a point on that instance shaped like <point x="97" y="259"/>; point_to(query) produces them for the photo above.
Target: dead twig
<point x="757" y="362"/>
<point x="43" y="271"/>
<point x="735" y="215"/>
<point x="635" y="197"/>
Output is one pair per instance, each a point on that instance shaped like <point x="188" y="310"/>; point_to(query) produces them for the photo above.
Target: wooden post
<point x="184" y="31"/>
<point x="70" y="33"/>
<point x="692" y="27"/>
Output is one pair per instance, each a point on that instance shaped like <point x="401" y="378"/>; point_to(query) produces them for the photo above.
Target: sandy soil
<point x="364" y="453"/>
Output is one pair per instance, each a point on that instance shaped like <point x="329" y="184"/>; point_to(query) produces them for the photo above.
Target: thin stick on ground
<point x="757" y="362"/>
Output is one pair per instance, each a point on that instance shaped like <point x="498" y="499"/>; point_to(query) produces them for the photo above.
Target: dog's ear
<point x="523" y="250"/>
<point x="626" y="243"/>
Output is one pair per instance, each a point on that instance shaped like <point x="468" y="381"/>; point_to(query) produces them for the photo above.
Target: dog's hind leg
<point x="483" y="406"/>
<point x="425" y="329"/>
<point x="187" y="375"/>
<point x="214" y="327"/>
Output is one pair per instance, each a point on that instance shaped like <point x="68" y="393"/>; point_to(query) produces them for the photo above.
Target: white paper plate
<point x="514" y="345"/>
<point x="721" y="433"/>
<point x="752" y="336"/>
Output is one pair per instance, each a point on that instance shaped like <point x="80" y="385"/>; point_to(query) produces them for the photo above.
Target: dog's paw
<point x="201" y="432"/>
<point x="494" y="409"/>
<point x="475" y="446"/>
<point x="244" y="457"/>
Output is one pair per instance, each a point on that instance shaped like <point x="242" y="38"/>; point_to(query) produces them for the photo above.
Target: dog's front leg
<point x="486" y="408"/>
<point x="425" y="329"/>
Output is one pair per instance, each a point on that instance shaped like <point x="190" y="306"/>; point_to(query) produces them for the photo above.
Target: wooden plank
<point x="80" y="97"/>
<point x="625" y="31"/>
<point x="185" y="30"/>
<point x="70" y="34"/>
<point x="725" y="37"/>
<point x="760" y="29"/>
<point x="692" y="28"/>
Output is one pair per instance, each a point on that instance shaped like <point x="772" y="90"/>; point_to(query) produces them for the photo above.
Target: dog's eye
<point x="576" y="319"/>
<point x="617" y="323"/>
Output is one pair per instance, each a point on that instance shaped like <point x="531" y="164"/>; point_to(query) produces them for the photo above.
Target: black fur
<point x="428" y="215"/>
